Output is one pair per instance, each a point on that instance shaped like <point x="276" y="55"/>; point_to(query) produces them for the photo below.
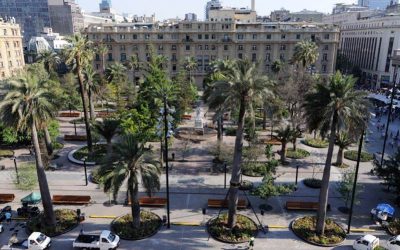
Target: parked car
<point x="383" y="213"/>
<point x="103" y="241"/>
<point x="35" y="241"/>
<point x="28" y="211"/>
<point x="393" y="243"/>
<point x="366" y="242"/>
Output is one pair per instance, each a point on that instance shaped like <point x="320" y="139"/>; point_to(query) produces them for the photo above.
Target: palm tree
<point x="50" y="60"/>
<point x="131" y="161"/>
<point x="242" y="84"/>
<point x="91" y="79"/>
<point x="134" y="65"/>
<point x="333" y="106"/>
<point x="116" y="75"/>
<point x="305" y="53"/>
<point x="277" y="66"/>
<point x="107" y="128"/>
<point x="27" y="107"/>
<point x="284" y="135"/>
<point x="343" y="140"/>
<point x="190" y="64"/>
<point x="102" y="50"/>
<point x="80" y="56"/>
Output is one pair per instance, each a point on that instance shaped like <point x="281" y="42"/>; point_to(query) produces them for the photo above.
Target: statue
<point x="198" y="122"/>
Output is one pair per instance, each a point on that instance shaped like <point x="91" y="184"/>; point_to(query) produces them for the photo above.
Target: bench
<point x="75" y="138"/>
<point x="104" y="114"/>
<point x="186" y="117"/>
<point x="304" y="205"/>
<point x="151" y="201"/>
<point x="219" y="203"/>
<point x="5" y="198"/>
<point x="71" y="199"/>
<point x="70" y="115"/>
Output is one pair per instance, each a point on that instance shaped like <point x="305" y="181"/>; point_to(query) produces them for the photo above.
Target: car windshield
<point x="41" y="238"/>
<point x="111" y="237"/>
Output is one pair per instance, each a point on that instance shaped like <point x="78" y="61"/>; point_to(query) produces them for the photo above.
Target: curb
<point x="73" y="160"/>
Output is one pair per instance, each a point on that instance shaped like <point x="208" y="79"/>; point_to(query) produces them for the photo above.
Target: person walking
<point x="251" y="244"/>
<point x="8" y="217"/>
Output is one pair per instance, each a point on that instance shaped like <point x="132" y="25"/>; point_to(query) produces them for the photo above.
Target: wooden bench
<point x="304" y="205"/>
<point x="104" y="114"/>
<point x="70" y="115"/>
<point x="219" y="203"/>
<point x="71" y="199"/>
<point x="5" y="198"/>
<point x="151" y="201"/>
<point x="75" y="138"/>
<point x="186" y="117"/>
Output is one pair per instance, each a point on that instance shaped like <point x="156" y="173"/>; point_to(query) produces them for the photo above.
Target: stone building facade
<point x="11" y="50"/>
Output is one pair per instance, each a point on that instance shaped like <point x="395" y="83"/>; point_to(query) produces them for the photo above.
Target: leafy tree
<point x="277" y="66"/>
<point x="132" y="162"/>
<point x="345" y="188"/>
<point x="27" y="107"/>
<point x="139" y="121"/>
<point x="102" y="50"/>
<point x="390" y="171"/>
<point x="190" y="65"/>
<point x="333" y="107"/>
<point x="116" y="75"/>
<point x="107" y="128"/>
<point x="343" y="140"/>
<point x="268" y="188"/>
<point x="133" y="64"/>
<point x="50" y="60"/>
<point x="80" y="56"/>
<point x="187" y="94"/>
<point x="242" y="85"/>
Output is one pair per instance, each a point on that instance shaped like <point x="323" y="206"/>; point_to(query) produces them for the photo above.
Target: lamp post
<point x="16" y="168"/>
<point x="395" y="64"/>
<point x="75" y="127"/>
<point x="85" y="168"/>
<point x="297" y="176"/>
<point x="355" y="181"/>
<point x="166" y="135"/>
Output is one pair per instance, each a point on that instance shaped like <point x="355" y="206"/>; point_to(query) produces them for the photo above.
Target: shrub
<point x="298" y="154"/>
<point x="316" y="143"/>
<point x="6" y="153"/>
<point x="394" y="227"/>
<point x="66" y="220"/>
<point x="99" y="152"/>
<point x="255" y="169"/>
<point x="230" y="131"/>
<point x="353" y="154"/>
<point x="312" y="183"/>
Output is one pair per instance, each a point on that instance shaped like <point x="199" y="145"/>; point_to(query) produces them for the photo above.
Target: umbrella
<point x="32" y="198"/>
<point x="386" y="208"/>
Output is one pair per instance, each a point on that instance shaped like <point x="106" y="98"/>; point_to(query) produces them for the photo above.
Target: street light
<point x="355" y="180"/>
<point x="85" y="168"/>
<point x="16" y="168"/>
<point x="395" y="64"/>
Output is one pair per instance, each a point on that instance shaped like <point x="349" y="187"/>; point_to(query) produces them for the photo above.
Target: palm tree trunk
<point x="236" y="166"/>
<point x="49" y="216"/>
<point x="323" y="195"/>
<point x="103" y="62"/>
<point x="84" y="104"/>
<point x="294" y="144"/>
<point x="91" y="105"/>
<point x="264" y="119"/>
<point x="135" y="207"/>
<point x="339" y="159"/>
<point x="48" y="142"/>
<point x="219" y="129"/>
<point x="283" y="153"/>
<point x="109" y="147"/>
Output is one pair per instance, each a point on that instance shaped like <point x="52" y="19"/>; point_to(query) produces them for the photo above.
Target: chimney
<point x="253" y="5"/>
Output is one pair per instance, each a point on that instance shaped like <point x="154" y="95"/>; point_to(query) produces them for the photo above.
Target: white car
<point x="393" y="243"/>
<point x="366" y="242"/>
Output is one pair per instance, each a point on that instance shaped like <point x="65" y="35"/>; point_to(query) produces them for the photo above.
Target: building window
<point x="122" y="48"/>
<point x="173" y="47"/>
<point x="173" y="67"/>
<point x="134" y="47"/>
<point x="240" y="56"/>
<point x="268" y="57"/>
<point x="174" y="59"/>
<point x="240" y="36"/>
<point x="146" y="36"/>
<point x="283" y="47"/>
<point x="206" y="36"/>
<point x="187" y="47"/>
<point x="97" y="66"/>
<point x="213" y="47"/>
<point x="205" y="47"/>
<point x="240" y="47"/>
<point x="97" y="57"/>
<point x="226" y="47"/>
<point x="212" y="36"/>
<point x="267" y="47"/>
<point x="298" y="36"/>
<point x="110" y="57"/>
<point x="283" y="36"/>
<point x="282" y="57"/>
<point x="268" y="36"/>
<point x="268" y="68"/>
<point x="323" y="69"/>
<point x="326" y="47"/>
<point x="325" y="57"/>
<point x="121" y="36"/>
<point x="254" y="36"/>
<point x="123" y="57"/>
<point x="160" y="36"/>
<point x="254" y="47"/>
<point x="254" y="57"/>
<point x="109" y="46"/>
<point x="199" y="36"/>
<point x="160" y="47"/>
<point x="134" y="36"/>
<point x="200" y="47"/>
<point x="326" y="36"/>
<point x="5" y="32"/>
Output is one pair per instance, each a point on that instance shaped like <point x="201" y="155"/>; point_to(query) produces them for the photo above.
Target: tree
<point x="268" y="188"/>
<point x="80" y="56"/>
<point x="277" y="66"/>
<point x="190" y="65"/>
<point x="107" y="128"/>
<point x="50" y="60"/>
<point x="345" y="188"/>
<point x="116" y="75"/>
<point x="134" y="65"/>
<point x="102" y="50"/>
<point x="305" y="53"/>
<point x="131" y="162"/>
<point x="91" y="79"/>
<point x="27" y="106"/>
<point x="343" y="140"/>
<point x="242" y="85"/>
<point x="333" y="106"/>
<point x="284" y="135"/>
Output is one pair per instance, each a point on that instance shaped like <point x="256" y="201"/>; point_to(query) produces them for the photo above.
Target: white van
<point x="366" y="242"/>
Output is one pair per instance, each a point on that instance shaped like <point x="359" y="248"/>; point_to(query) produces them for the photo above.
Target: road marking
<point x="102" y="216"/>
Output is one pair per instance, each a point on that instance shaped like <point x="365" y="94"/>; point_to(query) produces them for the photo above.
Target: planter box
<point x="70" y="115"/>
<point x="75" y="138"/>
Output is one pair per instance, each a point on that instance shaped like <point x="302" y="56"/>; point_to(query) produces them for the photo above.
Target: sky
<point x="177" y="8"/>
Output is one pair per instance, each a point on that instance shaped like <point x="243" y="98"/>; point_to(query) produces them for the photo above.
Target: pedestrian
<point x="8" y="217"/>
<point x="251" y="243"/>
